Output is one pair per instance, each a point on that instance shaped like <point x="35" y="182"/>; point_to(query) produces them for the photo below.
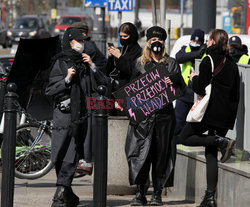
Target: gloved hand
<point x="202" y="49"/>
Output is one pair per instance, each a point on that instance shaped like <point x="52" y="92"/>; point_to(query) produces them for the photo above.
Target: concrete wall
<point x="233" y="187"/>
<point x="118" y="182"/>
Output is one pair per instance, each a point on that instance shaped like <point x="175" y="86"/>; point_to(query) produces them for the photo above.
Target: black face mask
<point x="125" y="42"/>
<point x="156" y="47"/>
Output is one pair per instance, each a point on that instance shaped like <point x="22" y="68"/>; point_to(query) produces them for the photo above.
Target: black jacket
<point x="139" y="137"/>
<point x="96" y="55"/>
<point x="121" y="69"/>
<point x="237" y="53"/>
<point x="225" y="93"/>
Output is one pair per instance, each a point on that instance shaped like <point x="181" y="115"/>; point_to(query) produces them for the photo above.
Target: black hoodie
<point x="237" y="53"/>
<point x="122" y="67"/>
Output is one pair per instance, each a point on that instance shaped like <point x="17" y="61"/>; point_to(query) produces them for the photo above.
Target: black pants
<point x="192" y="135"/>
<point x="160" y="154"/>
<point x="65" y="172"/>
<point x="181" y="111"/>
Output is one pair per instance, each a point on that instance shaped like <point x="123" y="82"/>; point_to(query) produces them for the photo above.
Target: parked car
<point x="6" y="62"/>
<point x="5" y="41"/>
<point x="66" y="20"/>
<point x="29" y="26"/>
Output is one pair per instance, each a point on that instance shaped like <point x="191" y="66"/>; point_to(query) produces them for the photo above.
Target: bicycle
<point x="33" y="148"/>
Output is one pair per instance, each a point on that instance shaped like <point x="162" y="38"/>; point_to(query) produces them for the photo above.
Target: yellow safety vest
<point x="186" y="67"/>
<point x="244" y="59"/>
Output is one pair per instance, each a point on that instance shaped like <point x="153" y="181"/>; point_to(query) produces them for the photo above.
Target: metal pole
<point x="119" y="24"/>
<point x="101" y="151"/>
<point x="53" y="13"/>
<point x="9" y="147"/>
<point x="168" y="33"/>
<point x="182" y="8"/>
<point x="163" y="12"/>
<point x="204" y="15"/>
<point x="2" y="93"/>
<point x="154" y="17"/>
<point x="137" y="6"/>
<point x="245" y="17"/>
<point x="99" y="34"/>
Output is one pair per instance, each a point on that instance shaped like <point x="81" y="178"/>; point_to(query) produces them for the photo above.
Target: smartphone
<point x="110" y="44"/>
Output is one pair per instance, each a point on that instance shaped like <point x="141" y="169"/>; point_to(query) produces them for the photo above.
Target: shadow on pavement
<point x="178" y="202"/>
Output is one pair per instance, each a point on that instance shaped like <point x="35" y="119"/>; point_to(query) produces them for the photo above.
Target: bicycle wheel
<point x="33" y="150"/>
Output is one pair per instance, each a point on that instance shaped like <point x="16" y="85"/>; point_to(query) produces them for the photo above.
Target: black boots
<point x="139" y="199"/>
<point x="225" y="146"/>
<point x="208" y="200"/>
<point x="156" y="199"/>
<point x="65" y="197"/>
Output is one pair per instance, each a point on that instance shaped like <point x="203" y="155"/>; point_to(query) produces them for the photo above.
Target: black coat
<point x="222" y="108"/>
<point x="96" y="55"/>
<point x="236" y="54"/>
<point x="162" y="124"/>
<point x="121" y="69"/>
<point x="64" y="146"/>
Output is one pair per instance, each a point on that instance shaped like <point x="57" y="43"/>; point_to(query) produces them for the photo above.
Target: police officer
<point x="238" y="51"/>
<point x="186" y="56"/>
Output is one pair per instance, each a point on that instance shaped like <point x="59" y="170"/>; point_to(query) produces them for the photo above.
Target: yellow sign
<point x="53" y="13"/>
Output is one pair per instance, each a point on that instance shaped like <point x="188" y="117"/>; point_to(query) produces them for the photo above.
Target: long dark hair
<point x="220" y="37"/>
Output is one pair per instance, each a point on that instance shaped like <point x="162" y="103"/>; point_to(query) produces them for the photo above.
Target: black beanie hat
<point x="156" y="31"/>
<point x="198" y="35"/>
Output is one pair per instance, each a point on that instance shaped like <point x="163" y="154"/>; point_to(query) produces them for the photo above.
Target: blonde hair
<point x="146" y="54"/>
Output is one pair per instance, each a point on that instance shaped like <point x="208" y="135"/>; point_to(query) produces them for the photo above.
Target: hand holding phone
<point x="110" y="44"/>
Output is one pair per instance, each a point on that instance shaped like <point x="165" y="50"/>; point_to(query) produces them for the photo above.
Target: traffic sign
<point x="95" y="3"/>
<point x="120" y="5"/>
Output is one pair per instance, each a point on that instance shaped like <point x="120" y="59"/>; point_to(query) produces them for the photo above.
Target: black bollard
<point x="2" y="93"/>
<point x="100" y="156"/>
<point x="9" y="146"/>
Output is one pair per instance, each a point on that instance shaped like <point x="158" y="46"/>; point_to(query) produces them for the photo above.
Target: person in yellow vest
<point x="186" y="56"/>
<point x="238" y="51"/>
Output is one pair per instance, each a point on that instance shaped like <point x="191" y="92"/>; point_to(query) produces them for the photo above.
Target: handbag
<point x="198" y="110"/>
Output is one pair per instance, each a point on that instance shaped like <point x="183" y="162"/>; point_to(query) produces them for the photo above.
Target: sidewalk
<point x="39" y="193"/>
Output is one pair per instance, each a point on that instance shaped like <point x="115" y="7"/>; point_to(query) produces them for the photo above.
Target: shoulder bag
<point x="198" y="110"/>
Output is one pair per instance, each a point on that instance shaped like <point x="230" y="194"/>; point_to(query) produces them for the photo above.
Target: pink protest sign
<point x="147" y="93"/>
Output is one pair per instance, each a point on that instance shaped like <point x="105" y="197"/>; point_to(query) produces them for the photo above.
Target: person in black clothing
<point x="152" y="141"/>
<point x="238" y="51"/>
<point x="69" y="85"/>
<point x="85" y="166"/>
<point x="90" y="47"/>
<point x="186" y="56"/>
<point x="221" y="111"/>
<point x="121" y="61"/>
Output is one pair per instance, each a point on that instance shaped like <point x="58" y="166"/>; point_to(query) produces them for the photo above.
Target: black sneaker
<point x="139" y="200"/>
<point x="156" y="199"/>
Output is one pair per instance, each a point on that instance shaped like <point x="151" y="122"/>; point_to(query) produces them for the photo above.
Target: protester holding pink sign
<point x="151" y="141"/>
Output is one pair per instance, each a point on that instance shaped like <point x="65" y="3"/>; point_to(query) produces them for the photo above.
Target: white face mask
<point x="78" y="46"/>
